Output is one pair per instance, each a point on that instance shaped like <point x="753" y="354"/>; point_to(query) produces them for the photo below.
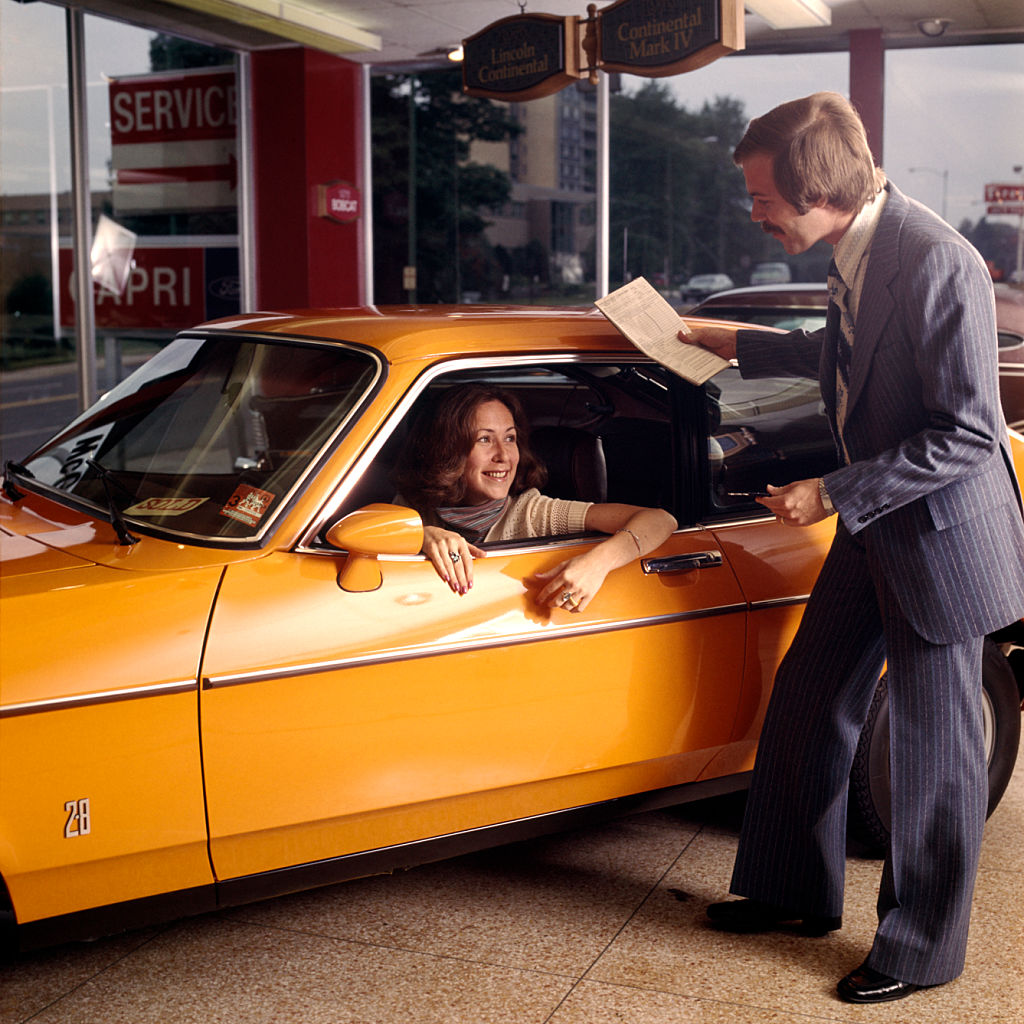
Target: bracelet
<point x="636" y="540"/>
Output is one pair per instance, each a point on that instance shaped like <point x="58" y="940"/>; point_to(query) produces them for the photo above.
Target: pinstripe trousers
<point x="792" y="848"/>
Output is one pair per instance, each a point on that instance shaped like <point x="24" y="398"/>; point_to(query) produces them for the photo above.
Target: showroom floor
<point x="593" y="927"/>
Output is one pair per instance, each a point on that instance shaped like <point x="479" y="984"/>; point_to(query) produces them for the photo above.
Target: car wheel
<point x="870" y="794"/>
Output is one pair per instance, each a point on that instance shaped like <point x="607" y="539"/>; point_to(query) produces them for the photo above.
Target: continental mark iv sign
<point x="531" y="55"/>
<point x="661" y="37"/>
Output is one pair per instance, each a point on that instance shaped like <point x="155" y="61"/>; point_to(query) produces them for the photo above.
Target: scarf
<point x="472" y="521"/>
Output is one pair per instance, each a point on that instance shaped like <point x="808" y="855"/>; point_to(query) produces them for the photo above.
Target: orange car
<point x="227" y="673"/>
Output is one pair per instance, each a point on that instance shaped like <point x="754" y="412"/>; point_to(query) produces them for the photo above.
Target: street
<point x="34" y="404"/>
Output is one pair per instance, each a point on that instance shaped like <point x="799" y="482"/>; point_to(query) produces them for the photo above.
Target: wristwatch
<point x="825" y="499"/>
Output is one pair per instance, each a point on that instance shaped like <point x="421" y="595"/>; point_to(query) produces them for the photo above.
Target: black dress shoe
<point x="866" y="985"/>
<point x="751" y="917"/>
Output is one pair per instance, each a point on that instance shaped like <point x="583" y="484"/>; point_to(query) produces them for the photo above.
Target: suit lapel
<point x="877" y="302"/>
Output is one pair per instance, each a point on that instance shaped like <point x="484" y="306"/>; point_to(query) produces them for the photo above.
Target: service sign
<point x="173" y="141"/>
<point x="654" y="38"/>
<point x="522" y="57"/>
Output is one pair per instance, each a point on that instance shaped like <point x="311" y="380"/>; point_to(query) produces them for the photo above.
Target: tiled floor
<point x="593" y="927"/>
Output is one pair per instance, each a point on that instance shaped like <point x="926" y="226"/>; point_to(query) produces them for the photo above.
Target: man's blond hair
<point x="819" y="150"/>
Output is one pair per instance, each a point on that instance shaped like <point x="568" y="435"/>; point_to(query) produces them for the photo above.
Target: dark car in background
<point x="802" y="307"/>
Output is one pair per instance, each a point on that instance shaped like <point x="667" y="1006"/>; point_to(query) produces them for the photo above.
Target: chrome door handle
<point x="682" y="563"/>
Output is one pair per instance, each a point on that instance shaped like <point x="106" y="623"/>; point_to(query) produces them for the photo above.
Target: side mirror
<point x="369" y="532"/>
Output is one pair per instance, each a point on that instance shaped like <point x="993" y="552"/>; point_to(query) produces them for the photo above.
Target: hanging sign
<point x="528" y="56"/>
<point x="522" y="57"/>
<point x="655" y="38"/>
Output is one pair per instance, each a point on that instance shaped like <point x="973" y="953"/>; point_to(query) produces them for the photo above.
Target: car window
<point x="603" y="431"/>
<point x="767" y="431"/>
<point x="210" y="437"/>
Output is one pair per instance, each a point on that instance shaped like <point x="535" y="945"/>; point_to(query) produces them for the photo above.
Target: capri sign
<point x="531" y="55"/>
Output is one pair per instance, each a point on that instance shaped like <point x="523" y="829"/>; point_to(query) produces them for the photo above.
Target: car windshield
<point x="210" y="437"/>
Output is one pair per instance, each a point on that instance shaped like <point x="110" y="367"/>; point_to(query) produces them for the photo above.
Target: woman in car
<point x="472" y="477"/>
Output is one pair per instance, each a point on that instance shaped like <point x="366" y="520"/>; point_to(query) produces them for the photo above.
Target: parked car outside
<point x="802" y="307"/>
<point x="226" y="672"/>
<point x="771" y="273"/>
<point x="700" y="286"/>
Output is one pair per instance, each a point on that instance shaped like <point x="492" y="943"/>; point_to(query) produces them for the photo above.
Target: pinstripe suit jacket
<point x="930" y="485"/>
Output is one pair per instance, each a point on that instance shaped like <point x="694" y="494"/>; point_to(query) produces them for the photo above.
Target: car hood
<point x="23" y="556"/>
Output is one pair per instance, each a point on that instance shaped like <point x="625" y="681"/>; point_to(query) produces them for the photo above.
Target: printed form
<point x="643" y="315"/>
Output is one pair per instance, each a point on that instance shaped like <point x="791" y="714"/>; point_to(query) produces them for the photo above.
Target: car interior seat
<point x="575" y="463"/>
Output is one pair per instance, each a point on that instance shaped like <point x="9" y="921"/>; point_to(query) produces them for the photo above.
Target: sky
<point x="958" y="112"/>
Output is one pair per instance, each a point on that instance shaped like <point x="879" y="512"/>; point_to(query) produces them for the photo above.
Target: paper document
<point x="640" y="312"/>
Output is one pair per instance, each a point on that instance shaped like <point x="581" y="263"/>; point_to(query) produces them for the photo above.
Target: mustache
<point x="769" y="228"/>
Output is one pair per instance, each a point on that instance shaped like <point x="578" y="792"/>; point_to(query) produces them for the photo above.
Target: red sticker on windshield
<point x="247" y="504"/>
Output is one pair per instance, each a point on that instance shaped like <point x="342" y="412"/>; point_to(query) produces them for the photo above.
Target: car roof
<point x="410" y="333"/>
<point x="759" y="295"/>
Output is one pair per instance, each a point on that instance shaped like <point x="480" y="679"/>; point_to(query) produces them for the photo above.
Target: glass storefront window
<point x="510" y="188"/>
<point x="163" y="186"/>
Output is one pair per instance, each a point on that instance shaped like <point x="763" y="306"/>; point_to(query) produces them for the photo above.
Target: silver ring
<point x="454" y="556"/>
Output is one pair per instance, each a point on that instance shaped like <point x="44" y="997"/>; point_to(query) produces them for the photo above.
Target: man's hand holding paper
<point x="720" y="340"/>
<point x="640" y="312"/>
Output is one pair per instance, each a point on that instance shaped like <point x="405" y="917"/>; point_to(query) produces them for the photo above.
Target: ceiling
<point x="422" y="31"/>
<point x="409" y="28"/>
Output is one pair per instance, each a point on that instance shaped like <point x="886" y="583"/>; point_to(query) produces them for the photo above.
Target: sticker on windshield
<point x="247" y="504"/>
<point x="164" y="506"/>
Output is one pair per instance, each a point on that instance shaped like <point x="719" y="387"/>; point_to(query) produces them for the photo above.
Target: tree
<point x="678" y="203"/>
<point x="169" y="53"/>
<point x="452" y="194"/>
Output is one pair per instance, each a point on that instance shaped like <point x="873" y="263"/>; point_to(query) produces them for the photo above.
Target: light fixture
<point x="456" y="55"/>
<point x="933" y="27"/>
<point x="791" y="13"/>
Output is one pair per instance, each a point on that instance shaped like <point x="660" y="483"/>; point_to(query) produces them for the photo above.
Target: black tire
<point x="870" y="794"/>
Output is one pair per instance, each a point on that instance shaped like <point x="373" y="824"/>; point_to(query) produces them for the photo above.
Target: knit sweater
<point x="532" y="514"/>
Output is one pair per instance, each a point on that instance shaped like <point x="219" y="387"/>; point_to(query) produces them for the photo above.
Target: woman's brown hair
<point x="820" y="153"/>
<point x="430" y="474"/>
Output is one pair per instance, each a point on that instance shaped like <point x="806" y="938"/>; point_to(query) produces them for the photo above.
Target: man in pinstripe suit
<point x="928" y="555"/>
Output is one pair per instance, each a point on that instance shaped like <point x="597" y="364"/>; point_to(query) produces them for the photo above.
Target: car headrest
<point x="575" y="463"/>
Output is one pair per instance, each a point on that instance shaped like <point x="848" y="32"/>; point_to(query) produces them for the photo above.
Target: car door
<point x="336" y="722"/>
<point x="767" y="431"/>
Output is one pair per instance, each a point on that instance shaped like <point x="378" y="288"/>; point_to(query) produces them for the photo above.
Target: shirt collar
<point x="853" y="246"/>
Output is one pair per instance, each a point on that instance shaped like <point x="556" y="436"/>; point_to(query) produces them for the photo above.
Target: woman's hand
<point x="452" y="557"/>
<point x="573" y="584"/>
<point x="633" y="530"/>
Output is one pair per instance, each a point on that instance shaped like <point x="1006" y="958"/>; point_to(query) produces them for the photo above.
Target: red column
<point x="867" y="85"/>
<point x="307" y="133"/>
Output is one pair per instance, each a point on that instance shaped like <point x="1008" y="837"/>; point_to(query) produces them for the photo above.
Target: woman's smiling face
<point x="492" y="461"/>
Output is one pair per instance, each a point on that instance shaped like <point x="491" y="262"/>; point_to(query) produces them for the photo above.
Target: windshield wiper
<point x="116" y="519"/>
<point x="12" y="469"/>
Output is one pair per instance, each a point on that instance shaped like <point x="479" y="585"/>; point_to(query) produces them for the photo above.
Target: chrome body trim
<point x="33" y="707"/>
<point x="439" y="649"/>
